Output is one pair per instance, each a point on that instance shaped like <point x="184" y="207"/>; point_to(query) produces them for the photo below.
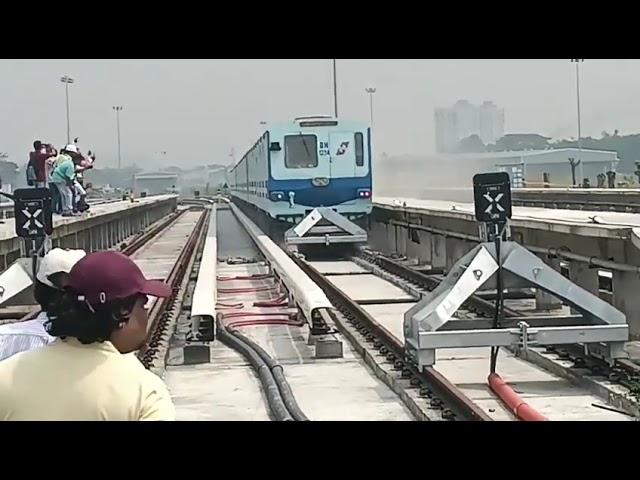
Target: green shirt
<point x="64" y="169"/>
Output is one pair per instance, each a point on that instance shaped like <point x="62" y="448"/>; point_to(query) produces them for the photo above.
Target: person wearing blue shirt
<point x="63" y="176"/>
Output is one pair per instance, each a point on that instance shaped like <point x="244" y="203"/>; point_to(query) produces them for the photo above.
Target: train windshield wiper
<point x="304" y="142"/>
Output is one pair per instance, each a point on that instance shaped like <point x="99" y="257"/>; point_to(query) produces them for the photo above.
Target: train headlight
<point x="276" y="196"/>
<point x="364" y="193"/>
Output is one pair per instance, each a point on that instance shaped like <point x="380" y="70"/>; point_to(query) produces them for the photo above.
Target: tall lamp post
<point x="578" y="61"/>
<point x="67" y="80"/>
<point x="335" y="90"/>
<point x="370" y="91"/>
<point x="118" y="109"/>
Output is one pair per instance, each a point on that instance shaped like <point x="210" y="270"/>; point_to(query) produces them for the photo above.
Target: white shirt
<point x="23" y="336"/>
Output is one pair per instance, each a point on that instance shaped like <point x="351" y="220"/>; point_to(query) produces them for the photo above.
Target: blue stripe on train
<point x="338" y="191"/>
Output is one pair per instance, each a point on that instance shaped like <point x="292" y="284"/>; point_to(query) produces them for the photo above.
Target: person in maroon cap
<point x="89" y="372"/>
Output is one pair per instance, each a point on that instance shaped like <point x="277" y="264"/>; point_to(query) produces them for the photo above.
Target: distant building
<point x="526" y="168"/>
<point x="464" y="120"/>
<point x="155" y="183"/>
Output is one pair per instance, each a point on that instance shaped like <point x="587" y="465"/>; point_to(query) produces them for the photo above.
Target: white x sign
<point x="32" y="217"/>
<point x="493" y="201"/>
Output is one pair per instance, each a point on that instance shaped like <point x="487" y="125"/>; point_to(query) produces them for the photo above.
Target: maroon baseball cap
<point x="104" y="276"/>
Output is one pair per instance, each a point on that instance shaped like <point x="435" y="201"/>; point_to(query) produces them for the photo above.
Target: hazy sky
<point x="197" y="110"/>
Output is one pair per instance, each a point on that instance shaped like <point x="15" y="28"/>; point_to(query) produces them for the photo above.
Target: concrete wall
<point x="118" y="222"/>
<point x="436" y="248"/>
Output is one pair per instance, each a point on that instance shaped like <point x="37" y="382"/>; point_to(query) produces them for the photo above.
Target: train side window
<point x="300" y="151"/>
<point x="359" y="150"/>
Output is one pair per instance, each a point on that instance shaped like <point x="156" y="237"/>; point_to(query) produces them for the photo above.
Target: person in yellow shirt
<point x="90" y="371"/>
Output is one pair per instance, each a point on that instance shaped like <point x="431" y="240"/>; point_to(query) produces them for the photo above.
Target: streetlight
<point x="118" y="109"/>
<point x="578" y="61"/>
<point x="67" y="80"/>
<point x="335" y="90"/>
<point x="370" y="91"/>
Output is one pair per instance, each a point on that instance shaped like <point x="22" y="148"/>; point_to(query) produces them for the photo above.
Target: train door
<point x="342" y="151"/>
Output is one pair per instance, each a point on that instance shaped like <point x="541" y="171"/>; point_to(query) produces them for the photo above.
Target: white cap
<point x="71" y="148"/>
<point x="56" y="261"/>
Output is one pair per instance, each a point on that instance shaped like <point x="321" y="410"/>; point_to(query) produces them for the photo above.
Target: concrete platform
<point x="104" y="226"/>
<point x="468" y="368"/>
<point x="368" y="288"/>
<point x="157" y="258"/>
<point x="587" y="242"/>
<point x="552" y="396"/>
<point x="337" y="267"/>
<point x="590" y="223"/>
<point x="226" y="389"/>
<point x="325" y="389"/>
<point x="390" y="316"/>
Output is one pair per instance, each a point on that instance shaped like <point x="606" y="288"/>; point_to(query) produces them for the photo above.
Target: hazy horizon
<point x="198" y="110"/>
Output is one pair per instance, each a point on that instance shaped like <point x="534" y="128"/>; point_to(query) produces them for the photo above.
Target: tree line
<point x="627" y="146"/>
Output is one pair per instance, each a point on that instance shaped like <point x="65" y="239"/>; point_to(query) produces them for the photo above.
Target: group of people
<point x="62" y="173"/>
<point x="76" y="360"/>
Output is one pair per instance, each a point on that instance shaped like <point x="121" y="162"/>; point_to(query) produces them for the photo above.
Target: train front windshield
<point x="301" y="151"/>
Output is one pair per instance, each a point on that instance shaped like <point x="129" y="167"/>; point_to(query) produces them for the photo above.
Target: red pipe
<point x="229" y="305"/>
<point x="257" y="276"/>
<point x="265" y="321"/>
<point x="521" y="409"/>
<point x="245" y="290"/>
<point x="258" y="314"/>
<point x="276" y="302"/>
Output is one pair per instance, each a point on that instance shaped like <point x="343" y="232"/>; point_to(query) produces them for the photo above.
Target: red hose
<point x="257" y="276"/>
<point x="229" y="305"/>
<point x="258" y="314"/>
<point x="276" y="302"/>
<point x="245" y="290"/>
<point x="509" y="397"/>
<point x="264" y="321"/>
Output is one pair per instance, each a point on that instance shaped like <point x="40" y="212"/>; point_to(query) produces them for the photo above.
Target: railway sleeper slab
<point x="615" y="394"/>
<point x="384" y="370"/>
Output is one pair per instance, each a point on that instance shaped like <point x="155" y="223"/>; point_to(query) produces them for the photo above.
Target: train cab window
<point x="300" y="151"/>
<point x="359" y="150"/>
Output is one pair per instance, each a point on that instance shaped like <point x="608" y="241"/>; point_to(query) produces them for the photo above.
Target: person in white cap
<point x="52" y="277"/>
<point x="63" y="176"/>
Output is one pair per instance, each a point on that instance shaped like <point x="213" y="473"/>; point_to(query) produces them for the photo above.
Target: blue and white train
<point x="311" y="162"/>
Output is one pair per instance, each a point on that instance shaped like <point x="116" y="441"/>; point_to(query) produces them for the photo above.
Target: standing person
<point x="62" y="177"/>
<point x="89" y="373"/>
<point x="37" y="166"/>
<point x="48" y="288"/>
<point x="83" y="162"/>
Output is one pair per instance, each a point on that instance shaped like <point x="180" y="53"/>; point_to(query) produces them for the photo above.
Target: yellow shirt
<point x="67" y="380"/>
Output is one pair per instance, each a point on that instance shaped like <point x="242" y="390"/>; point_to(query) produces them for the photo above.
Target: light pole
<point x="578" y="61"/>
<point x="67" y="80"/>
<point x="118" y="109"/>
<point x="370" y="91"/>
<point x="335" y="90"/>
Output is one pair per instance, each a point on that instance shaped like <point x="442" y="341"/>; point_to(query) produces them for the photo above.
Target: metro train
<point x="310" y="162"/>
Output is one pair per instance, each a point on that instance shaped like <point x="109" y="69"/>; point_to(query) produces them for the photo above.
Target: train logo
<point x="342" y="149"/>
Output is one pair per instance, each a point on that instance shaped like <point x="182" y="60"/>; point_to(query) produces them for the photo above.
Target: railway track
<point x="368" y="312"/>
<point x="271" y="373"/>
<point x="625" y="372"/>
<point x="164" y="251"/>
<point x="169" y="250"/>
<point x="441" y="394"/>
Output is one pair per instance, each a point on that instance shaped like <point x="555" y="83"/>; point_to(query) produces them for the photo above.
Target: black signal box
<point x="492" y="197"/>
<point x="32" y="212"/>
